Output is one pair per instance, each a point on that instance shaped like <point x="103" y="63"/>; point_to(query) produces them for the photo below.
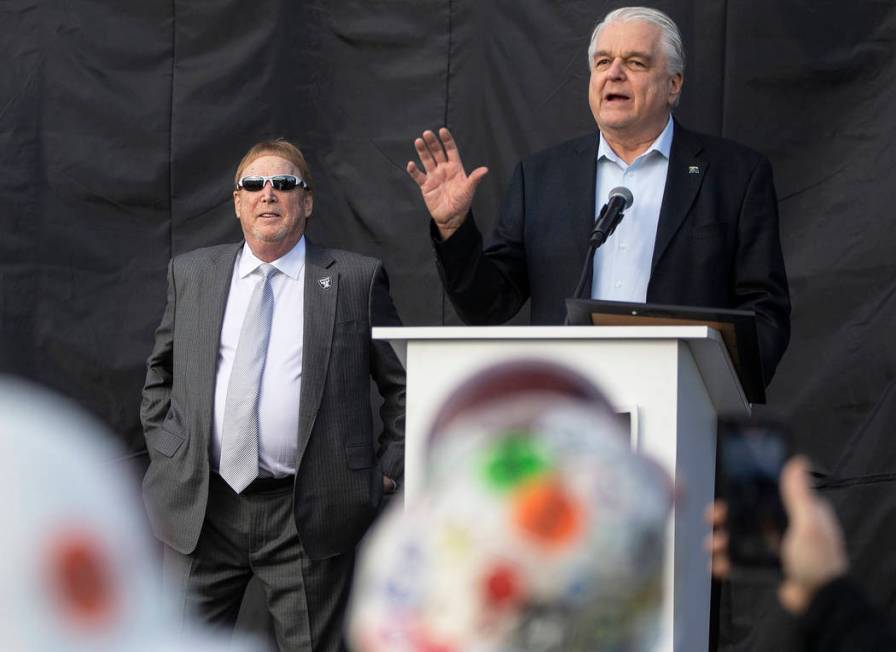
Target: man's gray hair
<point x="670" y="37"/>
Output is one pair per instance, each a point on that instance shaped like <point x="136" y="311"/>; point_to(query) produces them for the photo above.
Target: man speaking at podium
<point x="702" y="229"/>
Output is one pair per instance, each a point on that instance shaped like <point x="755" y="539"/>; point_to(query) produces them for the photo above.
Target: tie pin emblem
<point x="325" y="282"/>
<point x="693" y="169"/>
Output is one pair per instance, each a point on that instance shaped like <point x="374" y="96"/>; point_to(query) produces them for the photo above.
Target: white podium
<point x="672" y="380"/>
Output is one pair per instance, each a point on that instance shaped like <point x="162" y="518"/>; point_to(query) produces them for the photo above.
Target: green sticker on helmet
<point x="514" y="459"/>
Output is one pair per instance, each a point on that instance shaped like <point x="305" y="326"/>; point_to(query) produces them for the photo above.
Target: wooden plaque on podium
<point x="737" y="328"/>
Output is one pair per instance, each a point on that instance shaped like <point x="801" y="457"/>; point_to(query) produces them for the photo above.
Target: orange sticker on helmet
<point x="548" y="513"/>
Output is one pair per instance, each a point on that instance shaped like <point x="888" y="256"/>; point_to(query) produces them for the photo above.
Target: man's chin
<point x="615" y="120"/>
<point x="269" y="237"/>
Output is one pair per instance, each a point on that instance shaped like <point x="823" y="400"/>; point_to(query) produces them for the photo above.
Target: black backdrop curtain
<point x="121" y="124"/>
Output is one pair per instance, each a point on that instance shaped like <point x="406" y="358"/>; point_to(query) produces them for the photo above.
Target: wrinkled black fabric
<point x="121" y="125"/>
<point x="839" y="619"/>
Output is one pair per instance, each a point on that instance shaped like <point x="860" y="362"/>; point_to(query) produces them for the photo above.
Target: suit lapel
<point x="215" y="287"/>
<point x="687" y="169"/>
<point x="321" y="292"/>
<point x="582" y="176"/>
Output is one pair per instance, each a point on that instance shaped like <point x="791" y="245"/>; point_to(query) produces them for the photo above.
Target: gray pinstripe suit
<point x="340" y="463"/>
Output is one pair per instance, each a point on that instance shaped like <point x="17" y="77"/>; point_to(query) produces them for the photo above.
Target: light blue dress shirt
<point x="622" y="264"/>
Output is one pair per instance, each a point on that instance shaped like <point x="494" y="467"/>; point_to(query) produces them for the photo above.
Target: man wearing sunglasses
<point x="257" y="415"/>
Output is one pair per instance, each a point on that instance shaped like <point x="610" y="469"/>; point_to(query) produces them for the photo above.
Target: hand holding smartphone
<point x="752" y="453"/>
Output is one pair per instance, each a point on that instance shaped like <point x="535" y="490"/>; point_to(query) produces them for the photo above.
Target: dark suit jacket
<point x="717" y="242"/>
<point x="340" y="464"/>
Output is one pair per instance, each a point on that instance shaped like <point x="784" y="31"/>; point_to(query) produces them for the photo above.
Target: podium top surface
<point x="706" y="344"/>
<point x="546" y="333"/>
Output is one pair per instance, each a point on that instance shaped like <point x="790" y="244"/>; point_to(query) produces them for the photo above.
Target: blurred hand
<point x="812" y="552"/>
<point x="446" y="188"/>
<point x="389" y="485"/>
<point x="717" y="541"/>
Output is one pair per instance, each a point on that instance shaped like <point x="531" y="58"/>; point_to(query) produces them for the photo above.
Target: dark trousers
<point x="254" y="534"/>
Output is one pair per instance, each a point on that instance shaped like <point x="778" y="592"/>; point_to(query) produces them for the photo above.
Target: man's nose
<point x="617" y="70"/>
<point x="267" y="191"/>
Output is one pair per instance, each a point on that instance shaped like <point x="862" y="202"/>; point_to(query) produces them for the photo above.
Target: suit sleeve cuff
<point x="392" y="463"/>
<point x="458" y="255"/>
<point x="465" y="240"/>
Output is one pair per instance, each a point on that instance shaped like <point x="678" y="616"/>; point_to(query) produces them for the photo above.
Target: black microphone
<point x="620" y="199"/>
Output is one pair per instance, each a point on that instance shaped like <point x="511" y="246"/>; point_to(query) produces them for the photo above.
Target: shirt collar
<point x="662" y="144"/>
<point x="290" y="263"/>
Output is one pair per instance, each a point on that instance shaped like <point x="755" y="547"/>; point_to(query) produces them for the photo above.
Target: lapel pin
<point x="693" y="169"/>
<point x="325" y="282"/>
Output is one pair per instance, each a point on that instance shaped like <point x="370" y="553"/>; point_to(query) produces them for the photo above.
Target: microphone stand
<point x="599" y="235"/>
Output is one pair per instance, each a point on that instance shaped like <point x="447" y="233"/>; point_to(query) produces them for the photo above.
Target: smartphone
<point x="752" y="453"/>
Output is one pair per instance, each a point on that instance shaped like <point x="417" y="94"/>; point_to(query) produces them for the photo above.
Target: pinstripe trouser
<point x="254" y="534"/>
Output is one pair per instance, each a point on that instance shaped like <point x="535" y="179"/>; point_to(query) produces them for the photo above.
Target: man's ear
<point x="675" y="84"/>
<point x="236" y="203"/>
<point x="309" y="204"/>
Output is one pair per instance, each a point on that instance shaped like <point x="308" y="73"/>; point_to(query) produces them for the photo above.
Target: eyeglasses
<point x="278" y="182"/>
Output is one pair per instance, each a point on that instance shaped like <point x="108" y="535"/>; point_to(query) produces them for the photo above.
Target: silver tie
<point x="239" y="437"/>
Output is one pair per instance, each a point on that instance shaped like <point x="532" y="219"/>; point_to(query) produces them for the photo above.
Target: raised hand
<point x="446" y="188"/>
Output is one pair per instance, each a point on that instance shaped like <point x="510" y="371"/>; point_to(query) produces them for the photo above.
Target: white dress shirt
<point x="622" y="264"/>
<point x="281" y="381"/>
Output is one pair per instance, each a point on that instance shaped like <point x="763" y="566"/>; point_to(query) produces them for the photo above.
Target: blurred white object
<point x="76" y="569"/>
<point x="539" y="530"/>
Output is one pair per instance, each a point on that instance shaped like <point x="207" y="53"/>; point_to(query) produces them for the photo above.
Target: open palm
<point x="446" y="188"/>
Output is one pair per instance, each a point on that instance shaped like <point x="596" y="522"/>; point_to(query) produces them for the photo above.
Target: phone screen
<point x="752" y="454"/>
